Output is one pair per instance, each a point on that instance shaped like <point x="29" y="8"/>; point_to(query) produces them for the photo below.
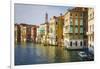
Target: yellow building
<point x="38" y="35"/>
<point x="59" y="30"/>
<point x="23" y="30"/>
<point x="74" y="23"/>
<point x="90" y="32"/>
<point x="17" y="32"/>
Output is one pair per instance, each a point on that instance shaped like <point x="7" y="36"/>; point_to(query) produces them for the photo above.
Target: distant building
<point x="28" y="33"/>
<point x="41" y="32"/>
<point x="25" y="32"/>
<point x="44" y="33"/>
<point x="90" y="32"/>
<point x="59" y="30"/>
<point x="38" y="35"/>
<point x="17" y="33"/>
<point x="23" y="28"/>
<point x="75" y="27"/>
<point x="52" y="31"/>
<point x="33" y="33"/>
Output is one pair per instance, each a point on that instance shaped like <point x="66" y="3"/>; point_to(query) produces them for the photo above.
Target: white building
<point x="52" y="31"/>
<point x="90" y="32"/>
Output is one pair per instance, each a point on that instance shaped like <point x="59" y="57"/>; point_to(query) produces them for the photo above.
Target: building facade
<point x="90" y="32"/>
<point x="59" y="30"/>
<point x="33" y="33"/>
<point x="28" y="33"/>
<point x="44" y="33"/>
<point x="52" y="31"/>
<point x="25" y="32"/>
<point x="23" y="28"/>
<point x="73" y="28"/>
<point x="17" y="33"/>
<point x="38" y="35"/>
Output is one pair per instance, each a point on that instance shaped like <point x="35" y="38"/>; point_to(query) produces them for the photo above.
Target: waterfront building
<point x="17" y="33"/>
<point x="38" y="34"/>
<point x="23" y="28"/>
<point x="75" y="27"/>
<point x="90" y="32"/>
<point x="59" y="30"/>
<point x="33" y="33"/>
<point x="28" y="33"/>
<point x="44" y="33"/>
<point x="52" y="31"/>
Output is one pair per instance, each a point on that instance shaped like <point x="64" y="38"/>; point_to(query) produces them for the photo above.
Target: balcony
<point x="89" y="33"/>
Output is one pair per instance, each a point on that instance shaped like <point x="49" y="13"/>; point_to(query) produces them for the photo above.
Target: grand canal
<point x="29" y="53"/>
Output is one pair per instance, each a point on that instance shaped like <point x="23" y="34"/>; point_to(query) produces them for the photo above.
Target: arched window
<point x="84" y="43"/>
<point x="90" y="45"/>
<point x="76" y="43"/>
<point x="70" y="43"/>
<point x="81" y="43"/>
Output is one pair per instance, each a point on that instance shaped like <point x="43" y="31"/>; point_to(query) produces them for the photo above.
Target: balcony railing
<point x="90" y="33"/>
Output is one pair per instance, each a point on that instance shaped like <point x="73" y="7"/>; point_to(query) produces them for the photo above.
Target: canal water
<point x="29" y="53"/>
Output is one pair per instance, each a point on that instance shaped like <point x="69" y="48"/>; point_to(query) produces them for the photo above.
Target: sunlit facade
<point x="59" y="30"/>
<point x="52" y="31"/>
<point x="17" y="33"/>
<point x="90" y="32"/>
<point x="23" y="28"/>
<point x="73" y="28"/>
<point x="38" y="34"/>
<point x="33" y="33"/>
<point x="44" y="33"/>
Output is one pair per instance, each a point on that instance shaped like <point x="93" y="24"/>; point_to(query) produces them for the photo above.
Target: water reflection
<point x="29" y="53"/>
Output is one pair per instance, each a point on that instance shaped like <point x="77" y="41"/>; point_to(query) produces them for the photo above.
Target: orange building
<point x="59" y="30"/>
<point x="33" y="33"/>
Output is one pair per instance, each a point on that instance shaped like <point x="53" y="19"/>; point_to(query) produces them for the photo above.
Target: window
<point x="71" y="14"/>
<point x="71" y="29"/>
<point x="90" y="38"/>
<point x="81" y="14"/>
<point x="76" y="29"/>
<point x="81" y="43"/>
<point x="93" y="14"/>
<point x="90" y="16"/>
<point x="76" y="43"/>
<point x="56" y="23"/>
<point x="81" y="21"/>
<point x="92" y="28"/>
<point x="71" y="21"/>
<point x="81" y="29"/>
<point x="76" y="14"/>
<point x="76" y="21"/>
<point x="90" y="45"/>
<point x="70" y="43"/>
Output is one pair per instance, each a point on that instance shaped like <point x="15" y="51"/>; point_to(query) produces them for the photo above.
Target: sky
<point x="35" y="14"/>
